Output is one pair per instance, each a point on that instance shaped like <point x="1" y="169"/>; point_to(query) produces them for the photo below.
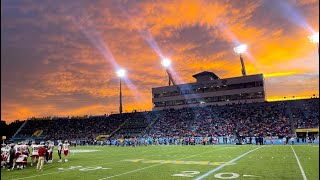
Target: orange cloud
<point x="52" y="68"/>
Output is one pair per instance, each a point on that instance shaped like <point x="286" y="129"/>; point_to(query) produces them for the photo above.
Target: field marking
<point x="301" y="169"/>
<point x="222" y="166"/>
<point x="83" y="151"/>
<point x="154" y="165"/>
<point x="89" y="164"/>
<point x="71" y="170"/>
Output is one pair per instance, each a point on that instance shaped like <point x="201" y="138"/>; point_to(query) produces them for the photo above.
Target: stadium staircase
<point x="148" y="129"/>
<point x="115" y="131"/>
<point x="238" y="125"/>
<point x="15" y="134"/>
<point x="289" y="112"/>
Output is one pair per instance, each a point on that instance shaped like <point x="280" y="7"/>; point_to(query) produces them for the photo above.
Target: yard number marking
<point x="187" y="173"/>
<point x="81" y="168"/>
<point x="221" y="175"/>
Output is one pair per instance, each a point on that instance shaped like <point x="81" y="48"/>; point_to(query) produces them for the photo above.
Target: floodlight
<point x="314" y="38"/>
<point x="121" y="73"/>
<point x="240" y="49"/>
<point x="166" y="62"/>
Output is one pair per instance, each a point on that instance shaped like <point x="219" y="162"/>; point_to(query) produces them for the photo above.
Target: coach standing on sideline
<point x="42" y="154"/>
<point x="12" y="153"/>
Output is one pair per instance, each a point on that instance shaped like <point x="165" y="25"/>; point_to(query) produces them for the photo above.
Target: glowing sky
<point x="58" y="58"/>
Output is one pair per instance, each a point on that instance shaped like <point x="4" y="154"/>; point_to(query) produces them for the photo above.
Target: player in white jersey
<point x="18" y="152"/>
<point x="21" y="161"/>
<point x="34" y="154"/>
<point x="25" y="149"/>
<point x="60" y="150"/>
<point x="50" y="151"/>
<point x="4" y="155"/>
<point x="65" y="148"/>
<point x="25" y="152"/>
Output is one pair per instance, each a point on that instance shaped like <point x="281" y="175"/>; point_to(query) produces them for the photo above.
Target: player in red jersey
<point x="42" y="155"/>
<point x="66" y="150"/>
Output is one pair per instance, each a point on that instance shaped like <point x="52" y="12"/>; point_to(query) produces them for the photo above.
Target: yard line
<point x="229" y="162"/>
<point x="130" y="171"/>
<point x="301" y="169"/>
<point x="156" y="165"/>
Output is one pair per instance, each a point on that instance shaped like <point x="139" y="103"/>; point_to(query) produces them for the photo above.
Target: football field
<point x="249" y="162"/>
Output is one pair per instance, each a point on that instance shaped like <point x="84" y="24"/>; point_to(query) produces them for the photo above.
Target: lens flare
<point x="314" y="38"/>
<point x="240" y="49"/>
<point x="121" y="73"/>
<point x="166" y="62"/>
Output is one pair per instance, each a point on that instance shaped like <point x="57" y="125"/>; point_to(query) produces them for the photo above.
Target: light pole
<point x="166" y="64"/>
<point x="121" y="73"/>
<point x="241" y="49"/>
<point x="315" y="39"/>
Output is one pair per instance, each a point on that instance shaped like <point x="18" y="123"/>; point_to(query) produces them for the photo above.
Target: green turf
<point x="268" y="162"/>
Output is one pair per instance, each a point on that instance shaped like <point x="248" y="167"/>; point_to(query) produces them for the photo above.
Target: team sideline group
<point x="16" y="155"/>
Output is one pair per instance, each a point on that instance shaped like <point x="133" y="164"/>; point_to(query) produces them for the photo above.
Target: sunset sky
<point x="58" y="58"/>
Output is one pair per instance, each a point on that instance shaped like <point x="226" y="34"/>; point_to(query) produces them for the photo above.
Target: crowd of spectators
<point x="136" y="124"/>
<point x="267" y="119"/>
<point x="73" y="128"/>
<point x="305" y="113"/>
<point x="173" y="122"/>
<point x="244" y="120"/>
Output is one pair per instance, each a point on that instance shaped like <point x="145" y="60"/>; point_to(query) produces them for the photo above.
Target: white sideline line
<point x="155" y="165"/>
<point x="301" y="169"/>
<point x="220" y="167"/>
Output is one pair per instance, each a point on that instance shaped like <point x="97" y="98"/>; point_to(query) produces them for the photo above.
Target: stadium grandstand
<point x="268" y="119"/>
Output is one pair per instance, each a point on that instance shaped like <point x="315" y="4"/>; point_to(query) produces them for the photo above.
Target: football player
<point x="60" y="150"/>
<point x="50" y="150"/>
<point x="4" y="155"/>
<point x="34" y="154"/>
<point x="66" y="150"/>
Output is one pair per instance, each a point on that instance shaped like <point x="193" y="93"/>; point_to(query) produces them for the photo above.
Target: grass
<point x="268" y="162"/>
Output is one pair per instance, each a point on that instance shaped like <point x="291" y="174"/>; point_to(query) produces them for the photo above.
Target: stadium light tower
<point x="315" y="39"/>
<point x="241" y="49"/>
<point x="166" y="64"/>
<point x="121" y="73"/>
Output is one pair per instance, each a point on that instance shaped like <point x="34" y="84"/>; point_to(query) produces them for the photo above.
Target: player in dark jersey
<point x="60" y="150"/>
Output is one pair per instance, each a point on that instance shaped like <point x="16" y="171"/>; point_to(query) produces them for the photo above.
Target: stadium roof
<point x="206" y="73"/>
